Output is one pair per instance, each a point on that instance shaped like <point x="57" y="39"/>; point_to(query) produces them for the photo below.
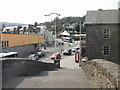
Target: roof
<point x="79" y="35"/>
<point x="102" y="17"/>
<point x="65" y="33"/>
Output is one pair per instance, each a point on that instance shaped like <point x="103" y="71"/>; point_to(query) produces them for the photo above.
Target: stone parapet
<point x="102" y="73"/>
<point x="22" y="67"/>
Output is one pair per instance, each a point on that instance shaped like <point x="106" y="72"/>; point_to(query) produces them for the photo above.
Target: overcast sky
<point x="30" y="11"/>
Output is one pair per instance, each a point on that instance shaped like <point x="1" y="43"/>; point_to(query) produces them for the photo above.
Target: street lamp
<point x="55" y="25"/>
<point x="80" y="44"/>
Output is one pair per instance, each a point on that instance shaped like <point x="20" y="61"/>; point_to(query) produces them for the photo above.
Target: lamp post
<point x="55" y="26"/>
<point x="80" y="44"/>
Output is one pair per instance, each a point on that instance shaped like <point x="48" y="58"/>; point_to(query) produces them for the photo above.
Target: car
<point x="33" y="57"/>
<point x="56" y="56"/>
<point x="77" y="42"/>
<point x="75" y="49"/>
<point x="62" y="43"/>
<point x="40" y="54"/>
<point x="67" y="52"/>
<point x="66" y="40"/>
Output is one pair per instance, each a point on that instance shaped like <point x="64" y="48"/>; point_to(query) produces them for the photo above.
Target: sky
<point x="30" y="11"/>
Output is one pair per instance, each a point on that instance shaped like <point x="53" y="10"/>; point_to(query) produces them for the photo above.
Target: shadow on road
<point x="15" y="71"/>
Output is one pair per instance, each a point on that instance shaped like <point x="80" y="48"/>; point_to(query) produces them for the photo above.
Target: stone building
<point x="103" y="34"/>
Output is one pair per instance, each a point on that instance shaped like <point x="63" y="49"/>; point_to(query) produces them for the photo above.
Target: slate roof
<point x="102" y="17"/>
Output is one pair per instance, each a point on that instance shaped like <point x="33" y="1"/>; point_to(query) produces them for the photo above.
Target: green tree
<point x="77" y="28"/>
<point x="18" y="29"/>
<point x="35" y="24"/>
<point x="24" y="29"/>
<point x="3" y="26"/>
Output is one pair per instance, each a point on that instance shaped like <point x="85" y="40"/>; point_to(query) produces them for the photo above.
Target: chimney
<point x="100" y="9"/>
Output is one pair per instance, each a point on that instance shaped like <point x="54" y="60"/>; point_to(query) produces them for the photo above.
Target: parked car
<point x="77" y="42"/>
<point x="33" y="57"/>
<point x="56" y="56"/>
<point x="62" y="43"/>
<point x="40" y="54"/>
<point x="75" y="49"/>
<point x="67" y="52"/>
<point x="58" y="43"/>
<point x="66" y="40"/>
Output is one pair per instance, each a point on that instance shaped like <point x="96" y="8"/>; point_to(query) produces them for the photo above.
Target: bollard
<point x="57" y="63"/>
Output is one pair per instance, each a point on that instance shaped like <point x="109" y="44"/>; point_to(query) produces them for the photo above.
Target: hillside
<point x="62" y="24"/>
<point x="9" y="24"/>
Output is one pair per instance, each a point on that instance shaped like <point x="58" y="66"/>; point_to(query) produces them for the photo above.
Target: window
<point x="106" y="50"/>
<point x="106" y="34"/>
<point x="2" y="44"/>
<point x="5" y="43"/>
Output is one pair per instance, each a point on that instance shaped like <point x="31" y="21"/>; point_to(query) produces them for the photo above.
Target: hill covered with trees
<point x="7" y="24"/>
<point x="67" y="23"/>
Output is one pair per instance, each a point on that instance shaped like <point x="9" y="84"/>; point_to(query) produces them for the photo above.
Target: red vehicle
<point x="56" y="56"/>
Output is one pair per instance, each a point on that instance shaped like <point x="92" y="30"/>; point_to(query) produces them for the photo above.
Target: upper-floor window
<point x="106" y="34"/>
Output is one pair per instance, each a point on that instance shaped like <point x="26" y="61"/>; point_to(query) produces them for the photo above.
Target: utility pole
<point x="55" y="26"/>
<point x="80" y="44"/>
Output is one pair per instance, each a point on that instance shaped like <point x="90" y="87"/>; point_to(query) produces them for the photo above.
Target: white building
<point x="48" y="36"/>
<point x="41" y="29"/>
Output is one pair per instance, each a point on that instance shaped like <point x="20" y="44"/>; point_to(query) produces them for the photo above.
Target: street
<point x="70" y="75"/>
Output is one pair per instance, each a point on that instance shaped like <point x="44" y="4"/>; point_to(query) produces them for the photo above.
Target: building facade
<point x="20" y="43"/>
<point x="103" y="39"/>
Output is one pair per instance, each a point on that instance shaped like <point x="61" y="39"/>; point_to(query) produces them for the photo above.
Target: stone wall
<point x="103" y="74"/>
<point x="22" y="67"/>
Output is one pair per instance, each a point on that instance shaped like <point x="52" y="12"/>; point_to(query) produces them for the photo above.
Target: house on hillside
<point x="102" y="28"/>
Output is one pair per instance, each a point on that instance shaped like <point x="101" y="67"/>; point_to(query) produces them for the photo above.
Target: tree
<point x="14" y="30"/>
<point x="18" y="28"/>
<point x="35" y="24"/>
<point x="3" y="26"/>
<point x="83" y="29"/>
<point x="77" y="28"/>
<point x="24" y="29"/>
